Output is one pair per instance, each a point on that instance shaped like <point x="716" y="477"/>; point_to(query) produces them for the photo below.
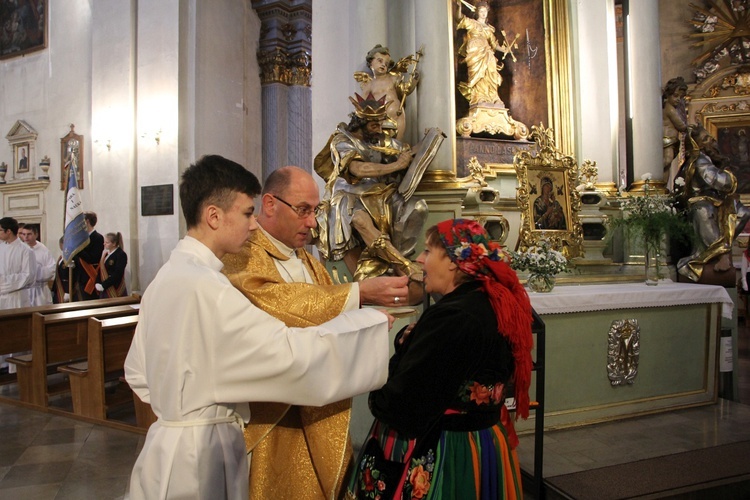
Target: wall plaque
<point x="157" y="200"/>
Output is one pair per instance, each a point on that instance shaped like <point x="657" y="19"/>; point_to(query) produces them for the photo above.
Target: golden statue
<point x="369" y="217"/>
<point x="487" y="112"/>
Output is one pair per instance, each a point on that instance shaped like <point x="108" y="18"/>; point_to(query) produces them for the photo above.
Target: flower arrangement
<point x="542" y="262"/>
<point x="652" y="217"/>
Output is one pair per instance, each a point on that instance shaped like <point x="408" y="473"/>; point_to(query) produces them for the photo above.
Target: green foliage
<point x="652" y="217"/>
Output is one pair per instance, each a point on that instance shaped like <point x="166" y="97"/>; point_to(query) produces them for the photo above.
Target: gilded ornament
<point x="623" y="351"/>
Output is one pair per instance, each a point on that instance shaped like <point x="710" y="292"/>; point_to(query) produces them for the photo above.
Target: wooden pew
<point x="108" y="344"/>
<point x="144" y="415"/>
<point x="15" y="324"/>
<point x="57" y="339"/>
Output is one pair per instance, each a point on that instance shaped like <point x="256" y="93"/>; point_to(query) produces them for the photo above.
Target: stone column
<point x="645" y="88"/>
<point x="284" y="57"/>
<point x="596" y="78"/>
<point x="433" y="28"/>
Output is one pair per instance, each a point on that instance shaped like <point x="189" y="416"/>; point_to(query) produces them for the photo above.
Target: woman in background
<point x="61" y="285"/>
<point x="111" y="281"/>
<point x="441" y="427"/>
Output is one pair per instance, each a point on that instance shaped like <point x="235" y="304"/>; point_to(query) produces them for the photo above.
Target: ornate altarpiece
<point x="536" y="87"/>
<point x="721" y="103"/>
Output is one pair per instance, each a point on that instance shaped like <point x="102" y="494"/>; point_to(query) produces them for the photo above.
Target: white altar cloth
<point x="584" y="298"/>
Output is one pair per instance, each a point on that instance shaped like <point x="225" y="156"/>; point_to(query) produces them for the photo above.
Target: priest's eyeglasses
<point x="302" y="212"/>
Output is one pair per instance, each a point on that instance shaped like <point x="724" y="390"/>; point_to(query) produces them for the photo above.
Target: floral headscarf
<point x="468" y="245"/>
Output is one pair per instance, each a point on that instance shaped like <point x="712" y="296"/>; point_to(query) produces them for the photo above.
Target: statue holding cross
<point x="487" y="112"/>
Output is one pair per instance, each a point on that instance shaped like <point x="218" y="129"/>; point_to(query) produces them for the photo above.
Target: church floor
<point x="48" y="456"/>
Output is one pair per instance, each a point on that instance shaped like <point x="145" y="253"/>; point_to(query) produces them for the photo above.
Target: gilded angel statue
<point x="393" y="81"/>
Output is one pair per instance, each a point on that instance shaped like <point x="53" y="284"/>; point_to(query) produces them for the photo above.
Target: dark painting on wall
<point x="734" y="143"/>
<point x="23" y="27"/>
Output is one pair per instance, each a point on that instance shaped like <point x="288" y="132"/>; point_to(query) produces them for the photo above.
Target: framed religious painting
<point x="71" y="152"/>
<point x="732" y="134"/>
<point x="547" y="196"/>
<point x="525" y="82"/>
<point x="21" y="158"/>
<point x="721" y="103"/>
<point x="24" y="27"/>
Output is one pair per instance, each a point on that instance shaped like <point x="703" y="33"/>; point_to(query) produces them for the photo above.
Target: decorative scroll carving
<point x="276" y="66"/>
<point x="623" y="351"/>
<point x="476" y="171"/>
<point x="588" y="174"/>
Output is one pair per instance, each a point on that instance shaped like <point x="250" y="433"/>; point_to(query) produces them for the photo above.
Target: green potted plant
<point x="651" y="219"/>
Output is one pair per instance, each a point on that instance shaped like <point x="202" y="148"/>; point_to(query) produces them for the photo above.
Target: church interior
<point x="642" y="380"/>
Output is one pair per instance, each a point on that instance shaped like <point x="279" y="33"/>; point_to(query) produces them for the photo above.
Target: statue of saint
<point x="369" y="217"/>
<point x="717" y="213"/>
<point x="487" y="112"/>
<point x="392" y="81"/>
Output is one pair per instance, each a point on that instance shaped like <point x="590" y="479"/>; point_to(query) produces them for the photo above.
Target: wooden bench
<point x="57" y="339"/>
<point x="15" y="324"/>
<point x="108" y="344"/>
<point x="144" y="415"/>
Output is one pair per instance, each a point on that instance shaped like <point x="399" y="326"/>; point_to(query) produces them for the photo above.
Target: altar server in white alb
<point x="202" y="350"/>
<point x="17" y="267"/>
<point x="17" y="272"/>
<point x="45" y="265"/>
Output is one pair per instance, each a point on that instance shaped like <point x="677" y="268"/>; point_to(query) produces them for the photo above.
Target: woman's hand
<point x="405" y="335"/>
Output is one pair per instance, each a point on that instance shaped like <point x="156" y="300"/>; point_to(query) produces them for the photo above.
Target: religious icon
<point x="22" y="158"/>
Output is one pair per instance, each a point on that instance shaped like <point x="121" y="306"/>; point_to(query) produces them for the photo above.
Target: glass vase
<point x="541" y="283"/>
<point x="652" y="267"/>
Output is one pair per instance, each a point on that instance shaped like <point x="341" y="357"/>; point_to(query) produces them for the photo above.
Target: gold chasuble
<point x="299" y="452"/>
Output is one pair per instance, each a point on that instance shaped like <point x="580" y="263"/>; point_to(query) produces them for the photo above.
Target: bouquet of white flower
<point x="540" y="259"/>
<point x="542" y="262"/>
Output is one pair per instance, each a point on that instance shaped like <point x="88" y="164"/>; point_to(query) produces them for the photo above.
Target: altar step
<point x="697" y="453"/>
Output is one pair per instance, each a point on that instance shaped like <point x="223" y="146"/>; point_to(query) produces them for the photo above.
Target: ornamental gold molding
<point x="623" y="351"/>
<point x="276" y="66"/>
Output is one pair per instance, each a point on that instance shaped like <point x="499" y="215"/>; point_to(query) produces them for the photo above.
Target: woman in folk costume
<point x="111" y="281"/>
<point x="441" y="428"/>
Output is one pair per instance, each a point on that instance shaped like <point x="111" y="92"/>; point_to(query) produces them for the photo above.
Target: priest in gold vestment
<point x="298" y="452"/>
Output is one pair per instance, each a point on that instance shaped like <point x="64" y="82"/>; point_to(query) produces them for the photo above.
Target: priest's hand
<point x="387" y="291"/>
<point x="99" y="287"/>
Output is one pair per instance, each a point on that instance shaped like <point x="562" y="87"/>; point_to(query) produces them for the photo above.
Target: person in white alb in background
<point x="17" y="271"/>
<point x="45" y="265"/>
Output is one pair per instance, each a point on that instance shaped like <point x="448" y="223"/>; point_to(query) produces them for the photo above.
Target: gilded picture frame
<point x="25" y="28"/>
<point x="547" y="197"/>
